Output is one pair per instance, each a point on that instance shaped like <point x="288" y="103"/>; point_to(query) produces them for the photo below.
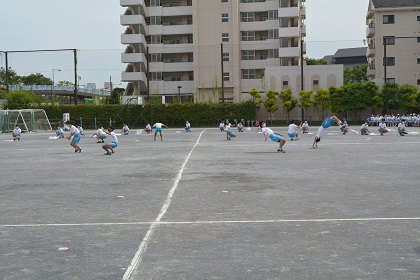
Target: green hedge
<point x="173" y="115"/>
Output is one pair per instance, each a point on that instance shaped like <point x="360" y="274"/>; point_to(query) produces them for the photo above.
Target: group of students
<point x="394" y="120"/>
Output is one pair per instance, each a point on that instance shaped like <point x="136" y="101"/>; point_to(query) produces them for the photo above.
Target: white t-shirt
<point x="100" y="132"/>
<point x="113" y="137"/>
<point x="227" y="127"/>
<point x="125" y="128"/>
<point x="364" y="126"/>
<point x="382" y="125"/>
<point x="148" y="127"/>
<point x="306" y="125"/>
<point x="17" y="130"/>
<point x="158" y="125"/>
<point x="188" y="124"/>
<point x="292" y="128"/>
<point x="401" y="126"/>
<point x="74" y="130"/>
<point x="221" y="124"/>
<point x="267" y="131"/>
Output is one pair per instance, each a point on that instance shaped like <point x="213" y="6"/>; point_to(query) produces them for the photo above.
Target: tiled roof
<point x="395" y="3"/>
<point x="352" y="52"/>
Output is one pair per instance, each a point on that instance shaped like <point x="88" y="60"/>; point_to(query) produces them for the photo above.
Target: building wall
<point x="405" y="51"/>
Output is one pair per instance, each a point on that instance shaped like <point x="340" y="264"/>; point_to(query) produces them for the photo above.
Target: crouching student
<point x="109" y="147"/>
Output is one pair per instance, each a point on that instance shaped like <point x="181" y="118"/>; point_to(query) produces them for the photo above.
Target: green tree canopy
<point x="390" y="96"/>
<point x="315" y="61"/>
<point x="256" y="96"/>
<point x="21" y="99"/>
<point x="14" y="78"/>
<point x="36" y="79"/>
<point x="408" y="96"/>
<point x="322" y="98"/>
<point x="356" y="74"/>
<point x="270" y="102"/>
<point x="115" y="95"/>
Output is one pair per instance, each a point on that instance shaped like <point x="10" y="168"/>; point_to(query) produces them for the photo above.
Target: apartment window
<point x="225" y="18"/>
<point x="247" y="17"/>
<point x="248" y="73"/>
<point x="315" y="82"/>
<point x="154" y="3"/>
<point x="176" y="78"/>
<point x="174" y="4"/>
<point x="156" y="57"/>
<point x="273" y="53"/>
<point x="418" y="18"/>
<point x="273" y="34"/>
<point x="273" y="15"/>
<point x="190" y="39"/>
<point x="155" y="39"/>
<point x="225" y="1"/>
<point x="190" y="58"/>
<point x="389" y="61"/>
<point x="418" y="39"/>
<point x="156" y="76"/>
<point x="248" y="55"/>
<point x="155" y="21"/>
<point x="389" y="40"/>
<point x="285" y="83"/>
<point x="248" y="36"/>
<point x="418" y="60"/>
<point x="418" y="81"/>
<point x="226" y="76"/>
<point x="225" y="37"/>
<point x="390" y="80"/>
<point x="389" y="19"/>
<point x="225" y="56"/>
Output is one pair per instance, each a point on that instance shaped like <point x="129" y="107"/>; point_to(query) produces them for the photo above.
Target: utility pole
<point x="75" y="76"/>
<point x="223" y="80"/>
<point x="301" y="73"/>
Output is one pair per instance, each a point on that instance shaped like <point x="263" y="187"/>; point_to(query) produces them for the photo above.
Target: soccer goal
<point x="27" y="119"/>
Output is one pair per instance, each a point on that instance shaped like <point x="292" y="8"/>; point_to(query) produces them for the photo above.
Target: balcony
<point x="289" y="52"/>
<point x="303" y="12"/>
<point x="133" y="39"/>
<point x="253" y="7"/>
<point x="133" y="58"/>
<point x="133" y="76"/>
<point x="370" y="32"/>
<point x="370" y="52"/>
<point x="171" y="67"/>
<point x="303" y="31"/>
<point x="171" y="87"/>
<point x="172" y="48"/>
<point x="370" y="14"/>
<point x="371" y="73"/>
<point x="126" y="3"/>
<point x="289" y="12"/>
<point x="132" y="19"/>
<point x="289" y="32"/>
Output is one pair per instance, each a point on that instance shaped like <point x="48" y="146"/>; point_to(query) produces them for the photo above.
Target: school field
<point x="196" y="206"/>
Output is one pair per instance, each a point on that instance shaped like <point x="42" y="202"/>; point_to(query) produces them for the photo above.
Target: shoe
<point x="297" y="139"/>
<point x="291" y="139"/>
<point x="80" y="150"/>
<point x="99" y="142"/>
<point x="112" y="153"/>
<point x="281" y="150"/>
<point x="76" y="150"/>
<point x="107" y="154"/>
<point x="102" y="141"/>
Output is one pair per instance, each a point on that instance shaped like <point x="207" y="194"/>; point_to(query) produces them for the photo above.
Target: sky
<point x="93" y="28"/>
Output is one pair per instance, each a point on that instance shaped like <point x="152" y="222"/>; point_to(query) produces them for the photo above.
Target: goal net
<point x="27" y="119"/>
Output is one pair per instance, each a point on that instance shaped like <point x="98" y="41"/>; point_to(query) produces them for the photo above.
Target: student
<point x="293" y="131"/>
<point x="305" y="127"/>
<point x="222" y="126"/>
<point x="125" y="130"/>
<point x="81" y="131"/>
<point x="274" y="136"/>
<point x="229" y="133"/>
<point x="240" y="127"/>
<point x="100" y="134"/>
<point x="76" y="137"/>
<point x="59" y="132"/>
<point x="382" y="127"/>
<point x="158" y="129"/>
<point x="325" y="124"/>
<point x="16" y="133"/>
<point x="114" y="141"/>
<point x="401" y="128"/>
<point x="364" y="129"/>
<point x="343" y="126"/>
<point x="187" y="127"/>
<point x="148" y="128"/>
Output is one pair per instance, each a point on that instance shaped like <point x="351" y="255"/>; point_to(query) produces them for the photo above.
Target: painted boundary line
<point x="143" y="245"/>
<point x="218" y="222"/>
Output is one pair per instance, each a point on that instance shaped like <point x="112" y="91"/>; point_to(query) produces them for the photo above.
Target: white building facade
<point x="186" y="47"/>
<point x="393" y="36"/>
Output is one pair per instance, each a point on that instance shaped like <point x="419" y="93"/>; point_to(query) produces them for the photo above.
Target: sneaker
<point x="80" y="150"/>
<point x="112" y="153"/>
<point x="102" y="141"/>
<point x="281" y="150"/>
<point x="107" y="154"/>
<point x="99" y="141"/>
<point x="76" y="150"/>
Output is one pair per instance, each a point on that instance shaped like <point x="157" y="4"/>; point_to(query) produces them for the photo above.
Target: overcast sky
<point x="93" y="27"/>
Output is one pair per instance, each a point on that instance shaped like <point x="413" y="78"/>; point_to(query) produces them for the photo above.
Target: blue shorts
<point x="383" y="130"/>
<point x="230" y="133"/>
<point x="102" y="137"/>
<point x="291" y="135"/>
<point x="76" y="138"/>
<point x="158" y="130"/>
<point x="126" y="132"/>
<point x="60" y="134"/>
<point x="275" y="138"/>
<point x="113" y="144"/>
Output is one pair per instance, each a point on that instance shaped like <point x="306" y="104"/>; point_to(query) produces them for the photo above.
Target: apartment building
<point x="210" y="49"/>
<point x="393" y="36"/>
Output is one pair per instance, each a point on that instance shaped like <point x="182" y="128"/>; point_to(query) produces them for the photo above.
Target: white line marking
<point x="220" y="222"/>
<point x="143" y="245"/>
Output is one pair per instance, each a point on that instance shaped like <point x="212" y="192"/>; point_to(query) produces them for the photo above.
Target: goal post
<point x="27" y="119"/>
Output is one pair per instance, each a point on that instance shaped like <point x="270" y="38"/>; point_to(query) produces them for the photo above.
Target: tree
<point x="408" y="95"/>
<point x="390" y="96"/>
<point x="115" y="95"/>
<point x="355" y="74"/>
<point x="36" y="79"/>
<point x="358" y="96"/>
<point x="315" y="61"/>
<point x="256" y="96"/>
<point x="288" y="101"/>
<point x="21" y="99"/>
<point x="270" y="102"/>
<point x="65" y="83"/>
<point x="336" y="99"/>
<point x="322" y="98"/>
<point x="306" y="100"/>
<point x="13" y="78"/>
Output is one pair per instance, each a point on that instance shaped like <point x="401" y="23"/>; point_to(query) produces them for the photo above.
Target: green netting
<point x="27" y="119"/>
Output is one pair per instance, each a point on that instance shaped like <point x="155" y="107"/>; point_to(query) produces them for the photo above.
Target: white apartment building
<point x="393" y="35"/>
<point x="196" y="48"/>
